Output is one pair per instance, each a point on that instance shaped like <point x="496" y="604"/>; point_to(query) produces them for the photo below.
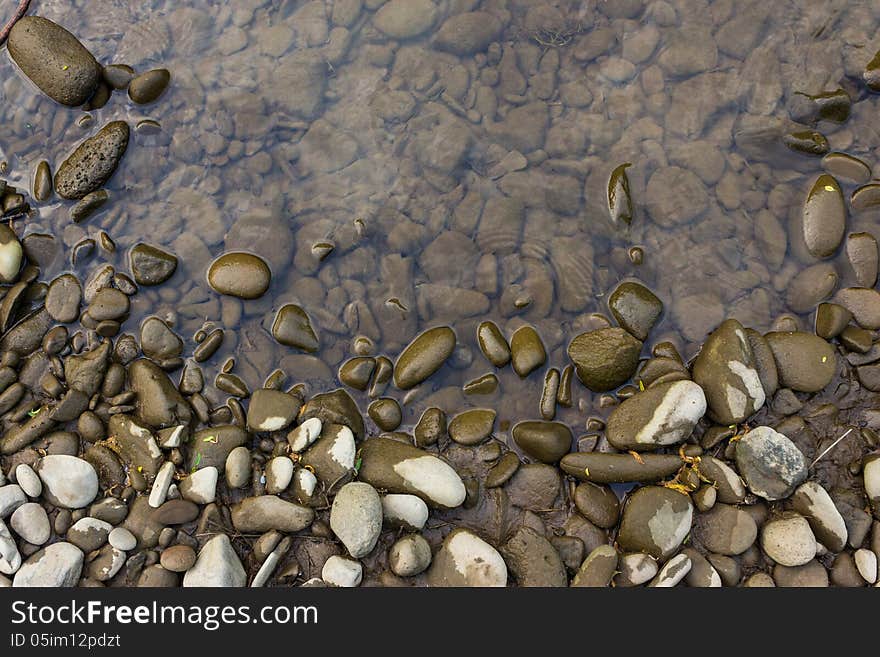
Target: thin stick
<point x="832" y="446"/>
<point x="22" y="8"/>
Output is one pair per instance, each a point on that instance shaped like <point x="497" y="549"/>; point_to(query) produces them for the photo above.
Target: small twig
<point x="22" y="8"/>
<point x="831" y="446"/>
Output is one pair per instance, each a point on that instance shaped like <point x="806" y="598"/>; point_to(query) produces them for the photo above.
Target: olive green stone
<point x="430" y="427"/>
<point x="602" y="468"/>
<point x="293" y="328"/>
<point x="118" y="76"/>
<point x="482" y="385"/>
<point x="473" y="426"/>
<point x="806" y="362"/>
<point x="271" y="410"/>
<point x="245" y="276"/>
<point x="93" y="162"/>
<point x="824" y="217"/>
<point x="88" y="205"/>
<point x="147" y="87"/>
<point x="856" y="339"/>
<point x="871" y="75"/>
<point x="598" y="568"/>
<point x="635" y="308"/>
<point x="866" y="197"/>
<point x="847" y="167"/>
<point x="335" y="407"/>
<point x="619" y="200"/>
<point x="385" y="412"/>
<point x="42" y="187"/>
<point x="655" y="520"/>
<point x="356" y="372"/>
<point x="502" y="471"/>
<point x="492" y="344"/>
<point x="527" y="351"/>
<point x="863" y="256"/>
<point x="598" y="504"/>
<point x="834" y="106"/>
<point x="605" y="358"/>
<point x="544" y="441"/>
<point x="423" y="356"/>
<point x="54" y="60"/>
<point x="808" y="142"/>
<point x="151" y="265"/>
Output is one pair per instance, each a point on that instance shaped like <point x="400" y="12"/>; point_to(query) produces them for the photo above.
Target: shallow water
<point x="275" y="137"/>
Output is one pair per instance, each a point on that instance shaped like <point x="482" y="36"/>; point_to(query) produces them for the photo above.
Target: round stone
<point x="240" y="274"/>
<point x="788" y="540"/>
<point x="770" y="463"/>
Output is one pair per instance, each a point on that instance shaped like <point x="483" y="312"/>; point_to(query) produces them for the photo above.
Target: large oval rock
<point x="423" y="356"/>
<point x="804" y="362"/>
<point x="606" y="358"/>
<point x="725" y="369"/>
<point x="400" y="468"/>
<point x="240" y="274"/>
<point x="545" y="441"/>
<point x="90" y="166"/>
<point x="665" y="414"/>
<point x="770" y="463"/>
<point x="602" y="468"/>
<point x="356" y="518"/>
<point x="465" y="559"/>
<point x="268" y="512"/>
<point x="54" y="60"/>
<point x="58" y="565"/>
<point x="815" y="504"/>
<point x="217" y="566"/>
<point x="68" y="481"/>
<point x="824" y="217"/>
<point x="655" y="520"/>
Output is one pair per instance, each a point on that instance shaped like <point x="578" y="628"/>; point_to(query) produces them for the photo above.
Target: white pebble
<point x="122" y="539"/>
<point x="866" y="563"/>
<point x="28" y="480"/>
<point x="305" y="434"/>
<point x="339" y="571"/>
<point x="673" y="572"/>
<point x="161" y="484"/>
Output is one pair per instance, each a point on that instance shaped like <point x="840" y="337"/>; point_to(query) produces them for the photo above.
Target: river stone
<point x="158" y="403"/>
<point x="89" y="534"/>
<point x="217" y="566"/>
<point x="423" y="356"/>
<point x="341" y="572"/>
<point x="527" y="351"/>
<point x="602" y="468"/>
<point x="502" y="471"/>
<point x="725" y="481"/>
<point x="279" y="474"/>
<point x="866" y="563"/>
<point x="598" y="568"/>
<point x="148" y="86"/>
<point x="304" y="435"/>
<point x="810" y="575"/>
<point x="465" y="559"/>
<point x="863" y="303"/>
<point x="332" y="456"/>
<point x="635" y="308"/>
<point x="725" y="369"/>
<point x="271" y="410"/>
<point x="542" y="440"/>
<point x="64" y="298"/>
<point x="675" y="570"/>
<point x="824" y="217"/>
<point x="635" y="569"/>
<point x="356" y="518"/>
<point x="805" y="362"/>
<point x="532" y="560"/>
<point x="492" y="344"/>
<point x="725" y="529"/>
<point x="407" y="511"/>
<point x="54" y="60"/>
<point x="598" y="504"/>
<point x="31" y="523"/>
<point x="702" y="573"/>
<point x="200" y="486"/>
<point x="237" y="468"/>
<point x="10" y="255"/>
<point x="810" y="286"/>
<point x="534" y="486"/>
<point x="788" y="540"/>
<point x="28" y="480"/>
<point x="663" y="415"/>
<point x="56" y="566"/>
<point x="871" y="477"/>
<point x="862" y="253"/>
<point x="386" y="413"/>
<point x="334" y="407"/>
<point x="68" y="481"/>
<point x="239" y="274"/>
<point x="831" y="320"/>
<point x="293" y="328"/>
<point x="356" y="372"/>
<point x="210" y="447"/>
<point x="770" y="463"/>
<point x="11" y="497"/>
<point x="90" y="166"/>
<point x="151" y="265"/>
<point x="268" y="512"/>
<point x="178" y="558"/>
<point x="468" y="33"/>
<point x="409" y="556"/>
<point x="655" y="520"/>
<point x="158" y="341"/>
<point x="815" y="504"/>
<point x="605" y="358"/>
<point x="405" y="19"/>
<point x="399" y="468"/>
<point x="675" y="196"/>
<point x="472" y="427"/>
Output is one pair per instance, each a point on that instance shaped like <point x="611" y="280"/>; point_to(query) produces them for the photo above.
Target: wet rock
<point x="468" y="33"/>
<point x="356" y="518"/>
<point x="56" y="566"/>
<point x="158" y="341"/>
<point x="598" y="569"/>
<point x="268" y="512"/>
<point x="271" y="410"/>
<point x="93" y="162"/>
<point x="332" y="457"/>
<point x="31" y="523"/>
<point x="178" y="558"/>
<point x="831" y="320"/>
<point x="532" y="560"/>
<point x="846" y="167"/>
<point x="635" y="569"/>
<point x="655" y="520"/>
<point x="605" y="358"/>
<point x="492" y="344"/>
<point x="665" y="414"/>
<point x="465" y="559"/>
<point x="134" y="443"/>
<point x="688" y="51"/>
<point x="602" y="468"/>
<point x="10" y="255"/>
<point x="357" y="372"/>
<point x="544" y="441"/>
<point x="815" y="504"/>
<point x="500" y="225"/>
<point x="824" y="217"/>
<point x="151" y="265"/>
<point x="210" y="447"/>
<point x="810" y="575"/>
<point x="405" y="19"/>
<point x="524" y="129"/>
<point x="725" y="369"/>
<point x="293" y="328"/>
<point x="871" y="477"/>
<point x="770" y="463"/>
<point x="217" y="566"/>
<point x="64" y="298"/>
<point x="863" y="303"/>
<point x="831" y="106"/>
<point x="635" y="308"/>
<point x="400" y="468"/>
<point x="200" y="486"/>
<point x="472" y="427"/>
<point x="810" y="286"/>
<point x="89" y="534"/>
<point x="673" y="572"/>
<point x="726" y="483"/>
<point x="862" y="253"/>
<point x="68" y="481"/>
<point x="148" y="86"/>
<point x="534" y="486"/>
<point x="675" y="196"/>
<point x="423" y="356"/>
<point x="158" y="403"/>
<point x="54" y="60"/>
<point x="726" y="530"/>
<point x="240" y="274"/>
<point x="527" y="351"/>
<point x="407" y="511"/>
<point x="598" y="504"/>
<point x="237" y="468"/>
<point x="808" y="142"/>
<point x="788" y="540"/>
<point x="409" y="556"/>
<point x="334" y="407"/>
<point x="805" y="362"/>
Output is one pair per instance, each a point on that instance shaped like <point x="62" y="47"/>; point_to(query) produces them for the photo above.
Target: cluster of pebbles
<point x="752" y="464"/>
